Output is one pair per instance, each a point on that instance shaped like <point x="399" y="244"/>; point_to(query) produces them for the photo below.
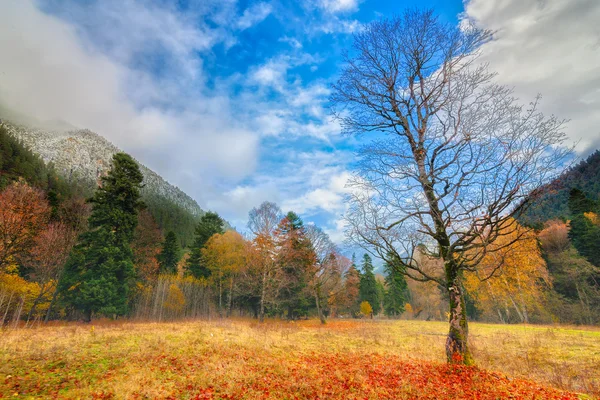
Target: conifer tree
<point x="169" y="255"/>
<point x="396" y="295"/>
<point x="585" y="226"/>
<point x="296" y="256"/>
<point x="368" y="285"/>
<point x="209" y="224"/>
<point x="99" y="273"/>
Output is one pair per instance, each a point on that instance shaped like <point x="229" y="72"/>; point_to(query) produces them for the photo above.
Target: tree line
<point x="107" y="258"/>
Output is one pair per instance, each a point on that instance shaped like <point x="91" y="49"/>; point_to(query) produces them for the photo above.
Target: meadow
<point x="344" y="359"/>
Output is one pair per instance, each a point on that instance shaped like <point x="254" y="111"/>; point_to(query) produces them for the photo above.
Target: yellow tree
<point x="225" y="255"/>
<point x="517" y="277"/>
<point x="263" y="265"/>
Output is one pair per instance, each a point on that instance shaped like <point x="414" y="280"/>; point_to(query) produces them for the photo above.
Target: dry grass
<point x="234" y="358"/>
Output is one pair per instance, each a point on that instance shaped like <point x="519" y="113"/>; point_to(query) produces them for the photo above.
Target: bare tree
<point x="262" y="222"/>
<point x="452" y="157"/>
<point x="47" y="258"/>
<point x="328" y="270"/>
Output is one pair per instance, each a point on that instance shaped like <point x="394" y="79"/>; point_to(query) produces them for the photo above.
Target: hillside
<point x="82" y="156"/>
<point x="552" y="203"/>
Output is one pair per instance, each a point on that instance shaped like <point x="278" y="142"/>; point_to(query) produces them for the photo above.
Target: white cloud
<point x="99" y="74"/>
<point x="254" y="15"/>
<point x="295" y="43"/>
<point x="550" y="47"/>
<point x="51" y="70"/>
<point x="335" y="6"/>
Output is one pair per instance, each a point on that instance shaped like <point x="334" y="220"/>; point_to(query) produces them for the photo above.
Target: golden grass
<point x="149" y="360"/>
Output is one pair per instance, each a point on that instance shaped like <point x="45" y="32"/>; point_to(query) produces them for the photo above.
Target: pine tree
<point x="99" y="274"/>
<point x="209" y="224"/>
<point x="296" y="256"/>
<point x="396" y="295"/>
<point x="169" y="255"/>
<point x="368" y="285"/>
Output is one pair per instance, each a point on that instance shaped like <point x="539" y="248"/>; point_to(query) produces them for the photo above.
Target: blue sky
<point x="227" y="99"/>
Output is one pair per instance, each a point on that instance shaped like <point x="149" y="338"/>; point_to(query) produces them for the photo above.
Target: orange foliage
<point x="555" y="236"/>
<point x="306" y="376"/>
<point x="23" y="213"/>
<point x="519" y="281"/>
<point x="146" y="246"/>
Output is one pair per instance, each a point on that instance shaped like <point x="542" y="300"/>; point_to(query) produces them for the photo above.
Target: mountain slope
<point x="82" y="156"/>
<point x="553" y="200"/>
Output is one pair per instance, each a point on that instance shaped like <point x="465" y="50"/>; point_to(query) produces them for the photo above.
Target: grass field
<point x="343" y="359"/>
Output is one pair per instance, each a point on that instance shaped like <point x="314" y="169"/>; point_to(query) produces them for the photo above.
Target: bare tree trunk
<point x="319" y="309"/>
<point x="262" y="295"/>
<point x="17" y="314"/>
<point x="7" y="308"/>
<point x="35" y="304"/>
<point x="54" y="296"/>
<point x="230" y="297"/>
<point x="457" y="348"/>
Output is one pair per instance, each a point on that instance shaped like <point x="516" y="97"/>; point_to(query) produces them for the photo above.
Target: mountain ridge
<point x="84" y="156"/>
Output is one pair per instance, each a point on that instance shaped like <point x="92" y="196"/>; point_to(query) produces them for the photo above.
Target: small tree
<point x="170" y="254"/>
<point x="366" y="309"/>
<point x="99" y="273"/>
<point x="452" y="158"/>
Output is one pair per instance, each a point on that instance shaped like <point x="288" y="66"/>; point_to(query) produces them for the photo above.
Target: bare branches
<point x="454" y="156"/>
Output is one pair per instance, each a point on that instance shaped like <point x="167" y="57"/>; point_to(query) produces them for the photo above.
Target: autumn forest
<point x="472" y="238"/>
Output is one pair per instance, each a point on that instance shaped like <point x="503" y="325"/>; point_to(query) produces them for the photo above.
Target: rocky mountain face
<point x="84" y="156"/>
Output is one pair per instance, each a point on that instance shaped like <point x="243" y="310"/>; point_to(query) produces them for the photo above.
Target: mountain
<point x="81" y="156"/>
<point x="552" y="202"/>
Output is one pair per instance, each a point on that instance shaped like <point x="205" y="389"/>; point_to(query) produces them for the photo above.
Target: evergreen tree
<point x="209" y="224"/>
<point x="585" y="227"/>
<point x="296" y="257"/>
<point x="396" y="295"/>
<point x="99" y="274"/>
<point x="368" y="285"/>
<point x="169" y="255"/>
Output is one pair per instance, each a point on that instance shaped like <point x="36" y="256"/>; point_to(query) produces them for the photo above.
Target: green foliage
<point x="170" y="254"/>
<point x="298" y="256"/>
<point x="552" y="202"/>
<point x="209" y="224"/>
<point x="172" y="217"/>
<point x="368" y="285"/>
<point x="585" y="233"/>
<point x="100" y="273"/>
<point x="18" y="162"/>
<point x="397" y="294"/>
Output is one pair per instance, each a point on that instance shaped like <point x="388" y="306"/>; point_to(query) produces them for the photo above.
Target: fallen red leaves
<point x="360" y="376"/>
<point x="236" y="373"/>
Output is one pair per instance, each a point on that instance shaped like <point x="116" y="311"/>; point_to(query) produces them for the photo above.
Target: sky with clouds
<point x="227" y="99"/>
